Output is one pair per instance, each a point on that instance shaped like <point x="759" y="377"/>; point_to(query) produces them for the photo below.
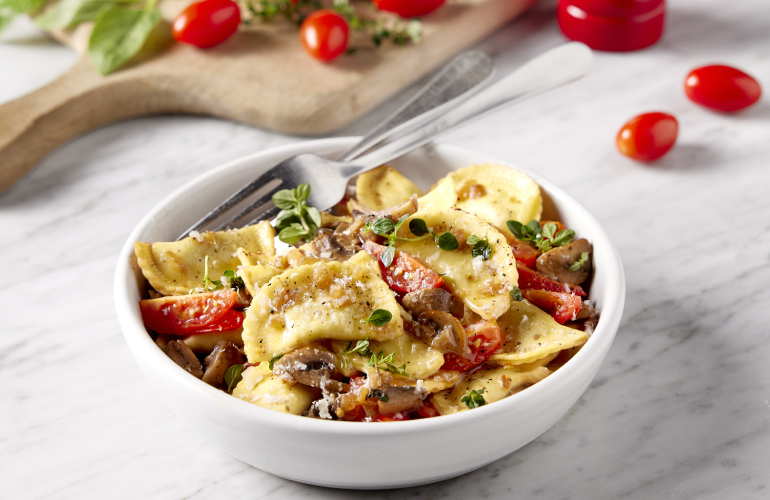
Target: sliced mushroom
<point x="442" y="331"/>
<point x="427" y="299"/>
<point x="312" y="367"/>
<point x="400" y="398"/>
<point x="555" y="262"/>
<point x="184" y="357"/>
<point x="224" y="355"/>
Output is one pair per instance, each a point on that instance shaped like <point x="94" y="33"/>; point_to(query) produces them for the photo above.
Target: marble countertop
<point x="679" y="410"/>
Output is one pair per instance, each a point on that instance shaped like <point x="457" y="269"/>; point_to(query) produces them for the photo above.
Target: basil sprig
<point x="474" y="399"/>
<point x="296" y="221"/>
<point x="118" y="35"/>
<point x="544" y="238"/>
<point x="386" y="228"/>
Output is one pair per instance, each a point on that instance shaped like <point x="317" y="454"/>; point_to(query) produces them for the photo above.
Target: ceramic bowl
<point x="354" y="454"/>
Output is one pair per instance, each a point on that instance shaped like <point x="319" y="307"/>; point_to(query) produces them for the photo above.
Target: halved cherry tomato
<point x="722" y="88"/>
<point x="427" y="410"/>
<point x="562" y="306"/>
<point x="188" y="314"/>
<point x="524" y="252"/>
<point x="409" y="8"/>
<point x="406" y="274"/>
<point x="533" y="280"/>
<point x="207" y="23"/>
<point x="484" y="338"/>
<point x="391" y="417"/>
<point x="324" y="34"/>
<point x="647" y="137"/>
<point x="231" y="320"/>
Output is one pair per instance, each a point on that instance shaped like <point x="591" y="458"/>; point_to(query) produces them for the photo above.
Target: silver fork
<point x="328" y="178"/>
<point x="465" y="74"/>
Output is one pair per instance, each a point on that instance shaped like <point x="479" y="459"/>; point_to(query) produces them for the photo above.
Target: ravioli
<point x="421" y="360"/>
<point x="254" y="277"/>
<point x="495" y="193"/>
<point x="325" y="300"/>
<point x="260" y="386"/>
<point x="483" y="285"/>
<point x="176" y="268"/>
<point x="529" y="334"/>
<point x="497" y="383"/>
<point x="383" y="188"/>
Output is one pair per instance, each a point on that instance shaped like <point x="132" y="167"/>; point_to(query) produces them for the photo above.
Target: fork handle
<point x="555" y="67"/>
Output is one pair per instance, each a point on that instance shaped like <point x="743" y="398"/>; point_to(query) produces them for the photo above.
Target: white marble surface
<point x="680" y="409"/>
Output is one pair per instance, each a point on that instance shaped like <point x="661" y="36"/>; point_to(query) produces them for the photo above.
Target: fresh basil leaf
<point x="516" y="228"/>
<point x="273" y="360"/>
<point x="387" y="256"/>
<point x="67" y="13"/>
<point x="549" y="229"/>
<point x="303" y="192"/>
<point x="233" y="375"/>
<point x="472" y="239"/>
<point x="382" y="226"/>
<point x="482" y="248"/>
<point x="379" y="317"/>
<point x="291" y="234"/>
<point x="447" y="241"/>
<point x="516" y="294"/>
<point x="314" y="215"/>
<point x="418" y="227"/>
<point x="118" y="34"/>
<point x="535" y="226"/>
<point x="563" y="237"/>
<point x="285" y="199"/>
<point x="285" y="218"/>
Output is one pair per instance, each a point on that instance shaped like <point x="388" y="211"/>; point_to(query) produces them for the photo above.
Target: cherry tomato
<point x="649" y="136"/>
<point x="484" y="338"/>
<point x="409" y="8"/>
<point x="524" y="252"/>
<point x="406" y="274"/>
<point x="391" y="417"/>
<point x="324" y="34"/>
<point x="189" y="314"/>
<point x="533" y="280"/>
<point x="562" y="306"/>
<point x="722" y="88"/>
<point x="207" y="23"/>
<point x="427" y="410"/>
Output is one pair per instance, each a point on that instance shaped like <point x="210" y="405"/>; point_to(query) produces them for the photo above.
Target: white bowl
<point x="353" y="454"/>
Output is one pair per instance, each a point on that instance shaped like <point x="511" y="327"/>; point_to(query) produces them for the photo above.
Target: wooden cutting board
<point x="260" y="76"/>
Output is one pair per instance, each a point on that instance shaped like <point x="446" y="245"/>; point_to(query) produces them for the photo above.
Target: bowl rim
<point x="140" y="343"/>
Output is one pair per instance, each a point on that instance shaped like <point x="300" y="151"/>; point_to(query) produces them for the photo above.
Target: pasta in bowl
<point x="401" y="306"/>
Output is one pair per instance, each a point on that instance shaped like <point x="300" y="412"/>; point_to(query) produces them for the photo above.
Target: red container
<point x="612" y="25"/>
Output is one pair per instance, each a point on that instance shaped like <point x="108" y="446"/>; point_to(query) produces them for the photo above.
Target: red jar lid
<point x="613" y="25"/>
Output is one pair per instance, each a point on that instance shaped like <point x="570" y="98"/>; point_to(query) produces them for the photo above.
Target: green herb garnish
<point x="386" y="228"/>
<point x="544" y="238"/>
<point x="273" y="360"/>
<point x="579" y="263"/>
<point x="361" y="348"/>
<point x="481" y="246"/>
<point x="233" y="375"/>
<point x="386" y="363"/>
<point x="516" y="294"/>
<point x="231" y="280"/>
<point x="379" y="317"/>
<point x="296" y="221"/>
<point x="376" y="393"/>
<point x="474" y="399"/>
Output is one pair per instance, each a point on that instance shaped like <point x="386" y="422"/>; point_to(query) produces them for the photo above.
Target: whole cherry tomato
<point x="722" y="88"/>
<point x="649" y="136"/>
<point x="207" y="23"/>
<point x="409" y="8"/>
<point x="324" y="34"/>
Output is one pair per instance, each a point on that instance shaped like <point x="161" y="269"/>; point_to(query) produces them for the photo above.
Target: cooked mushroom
<point x="400" y="398"/>
<point x="312" y="367"/>
<point x="555" y="262"/>
<point x="427" y="299"/>
<point x="224" y="355"/>
<point x="184" y="357"/>
<point x="442" y="331"/>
